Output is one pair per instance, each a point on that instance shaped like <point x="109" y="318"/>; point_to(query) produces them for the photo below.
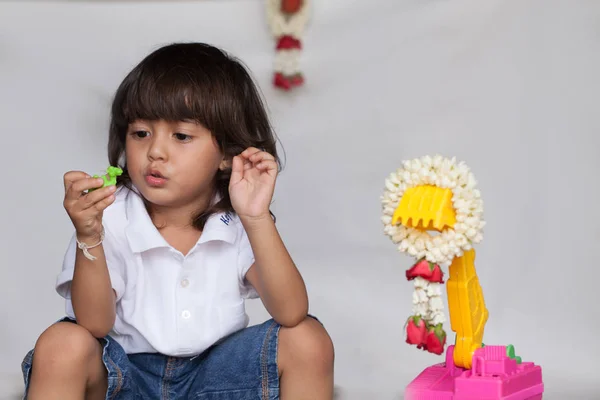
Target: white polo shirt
<point x="166" y="302"/>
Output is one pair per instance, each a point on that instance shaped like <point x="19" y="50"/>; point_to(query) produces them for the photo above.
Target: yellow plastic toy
<point x="433" y="211"/>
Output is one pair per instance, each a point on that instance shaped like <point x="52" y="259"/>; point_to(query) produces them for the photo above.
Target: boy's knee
<point x="64" y="343"/>
<point x="307" y="343"/>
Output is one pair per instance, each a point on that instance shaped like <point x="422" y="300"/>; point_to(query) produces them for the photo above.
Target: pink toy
<point x="494" y="375"/>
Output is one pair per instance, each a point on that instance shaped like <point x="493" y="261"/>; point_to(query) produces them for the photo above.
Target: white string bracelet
<point x="84" y="247"/>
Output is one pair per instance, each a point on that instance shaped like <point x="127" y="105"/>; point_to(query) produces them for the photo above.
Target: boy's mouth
<point x="156" y="174"/>
<point x="155" y="178"/>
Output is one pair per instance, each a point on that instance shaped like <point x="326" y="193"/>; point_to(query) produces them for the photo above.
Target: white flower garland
<point x="282" y="24"/>
<point x="427" y="301"/>
<point x="444" y="173"/>
<point x="287" y="59"/>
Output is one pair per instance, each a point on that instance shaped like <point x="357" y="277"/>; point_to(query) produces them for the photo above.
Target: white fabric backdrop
<point x="508" y="86"/>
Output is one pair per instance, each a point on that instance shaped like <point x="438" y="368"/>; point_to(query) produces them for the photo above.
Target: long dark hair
<point x="193" y="81"/>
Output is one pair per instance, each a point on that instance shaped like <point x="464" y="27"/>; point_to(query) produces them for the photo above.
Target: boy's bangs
<point x="173" y="97"/>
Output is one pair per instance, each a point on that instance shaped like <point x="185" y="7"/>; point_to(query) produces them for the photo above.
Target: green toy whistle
<point x="110" y="178"/>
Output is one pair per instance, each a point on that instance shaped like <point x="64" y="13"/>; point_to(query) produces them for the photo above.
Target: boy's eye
<point x="182" y="137"/>
<point x="140" y="134"/>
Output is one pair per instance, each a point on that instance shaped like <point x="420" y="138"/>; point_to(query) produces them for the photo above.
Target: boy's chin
<point x="158" y="196"/>
<point x="165" y="198"/>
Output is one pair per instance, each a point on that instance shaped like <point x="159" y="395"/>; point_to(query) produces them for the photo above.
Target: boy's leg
<point x="67" y="364"/>
<point x="305" y="360"/>
<point x="245" y="364"/>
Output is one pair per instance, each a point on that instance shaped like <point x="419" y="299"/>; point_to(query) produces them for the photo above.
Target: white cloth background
<point x="508" y="86"/>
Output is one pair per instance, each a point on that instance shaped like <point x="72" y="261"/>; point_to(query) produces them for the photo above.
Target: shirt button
<point x="185" y="282"/>
<point x="186" y="314"/>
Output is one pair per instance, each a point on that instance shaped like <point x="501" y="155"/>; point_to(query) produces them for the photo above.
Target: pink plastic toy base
<point x="493" y="376"/>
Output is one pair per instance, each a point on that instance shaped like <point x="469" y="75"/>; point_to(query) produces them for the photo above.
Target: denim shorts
<point x="242" y="366"/>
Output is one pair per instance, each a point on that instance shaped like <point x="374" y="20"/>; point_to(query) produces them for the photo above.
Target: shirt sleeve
<point x="245" y="261"/>
<point x="113" y="262"/>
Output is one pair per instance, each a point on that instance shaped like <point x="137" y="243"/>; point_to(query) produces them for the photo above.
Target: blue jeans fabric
<point x="242" y="366"/>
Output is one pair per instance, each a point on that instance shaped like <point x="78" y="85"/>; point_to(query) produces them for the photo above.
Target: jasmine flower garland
<point x="287" y="20"/>
<point x="468" y="205"/>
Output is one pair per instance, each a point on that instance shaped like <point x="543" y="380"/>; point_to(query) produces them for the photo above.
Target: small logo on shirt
<point x="226" y="218"/>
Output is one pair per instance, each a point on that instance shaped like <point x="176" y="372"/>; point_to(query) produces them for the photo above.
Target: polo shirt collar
<point x="142" y="235"/>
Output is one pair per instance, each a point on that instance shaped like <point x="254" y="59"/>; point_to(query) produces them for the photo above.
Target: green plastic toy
<point x="110" y="178"/>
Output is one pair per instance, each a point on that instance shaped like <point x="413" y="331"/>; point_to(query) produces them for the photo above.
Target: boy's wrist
<point x="89" y="238"/>
<point x="252" y="223"/>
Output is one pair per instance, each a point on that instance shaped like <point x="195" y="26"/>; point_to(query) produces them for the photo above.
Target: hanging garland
<point x="287" y="20"/>
<point x="425" y="327"/>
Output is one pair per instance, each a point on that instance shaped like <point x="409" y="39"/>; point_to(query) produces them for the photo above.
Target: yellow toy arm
<point x="466" y="306"/>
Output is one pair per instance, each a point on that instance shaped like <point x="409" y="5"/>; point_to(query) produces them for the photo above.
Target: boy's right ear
<point x="225" y="164"/>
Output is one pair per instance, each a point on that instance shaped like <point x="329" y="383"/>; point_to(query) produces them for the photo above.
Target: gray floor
<point x="11" y="390"/>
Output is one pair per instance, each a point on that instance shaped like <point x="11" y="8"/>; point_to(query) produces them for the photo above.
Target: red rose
<point x="416" y="329"/>
<point x="290" y="6"/>
<point x="426" y="270"/>
<point x="435" y="339"/>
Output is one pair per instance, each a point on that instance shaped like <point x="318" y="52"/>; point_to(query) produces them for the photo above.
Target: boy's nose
<point x="157" y="150"/>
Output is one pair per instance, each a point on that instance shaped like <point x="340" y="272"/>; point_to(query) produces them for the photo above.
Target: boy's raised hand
<point x="85" y="209"/>
<point x="252" y="183"/>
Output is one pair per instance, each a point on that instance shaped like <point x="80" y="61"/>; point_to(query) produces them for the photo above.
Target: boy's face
<point x="172" y="163"/>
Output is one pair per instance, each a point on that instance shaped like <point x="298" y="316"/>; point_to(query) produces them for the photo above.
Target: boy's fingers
<point x="73" y="176"/>
<point x="249" y="152"/>
<point x="237" y="169"/>
<point x="79" y="186"/>
<point x="102" y="204"/>
<point x="96" y="196"/>
<point x="267" y="164"/>
<point x="260" y="156"/>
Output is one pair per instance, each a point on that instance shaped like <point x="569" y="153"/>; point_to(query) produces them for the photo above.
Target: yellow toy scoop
<point x="425" y="207"/>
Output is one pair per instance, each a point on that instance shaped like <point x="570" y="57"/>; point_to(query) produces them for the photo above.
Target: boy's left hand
<point x="252" y="183"/>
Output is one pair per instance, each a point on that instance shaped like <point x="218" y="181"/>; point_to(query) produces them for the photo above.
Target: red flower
<point x="297" y="80"/>
<point x="287" y="42"/>
<point x="290" y="6"/>
<point x="426" y="270"/>
<point x="416" y="329"/>
<point x="435" y="339"/>
<point x="281" y="81"/>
